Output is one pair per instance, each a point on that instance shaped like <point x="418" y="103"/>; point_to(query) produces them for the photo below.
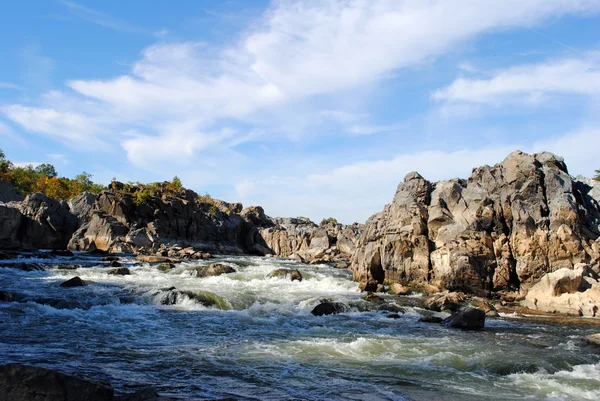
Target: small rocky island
<point x="521" y="238"/>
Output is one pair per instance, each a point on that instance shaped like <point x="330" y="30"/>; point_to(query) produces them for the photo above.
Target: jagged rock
<point x="369" y="286"/>
<point x="214" y="269"/>
<point x="115" y="263"/>
<point x="28" y="383"/>
<point x="444" y="301"/>
<point x="73" y="282"/>
<point x="121" y="271"/>
<point x="341" y="265"/>
<point x="484" y="305"/>
<point x="568" y="291"/>
<point x="468" y="319"/>
<point x="328" y="308"/>
<point x="499" y="231"/>
<point x="291" y="274"/>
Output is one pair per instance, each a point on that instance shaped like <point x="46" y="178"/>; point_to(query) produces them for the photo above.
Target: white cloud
<point x="296" y="51"/>
<point x="102" y="19"/>
<point x="376" y="129"/>
<point x="355" y="191"/>
<point x="8" y="85"/>
<point x="73" y="129"/>
<point x="529" y="83"/>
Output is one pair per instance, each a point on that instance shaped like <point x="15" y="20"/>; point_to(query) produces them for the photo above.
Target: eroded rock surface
<point x="499" y="231"/>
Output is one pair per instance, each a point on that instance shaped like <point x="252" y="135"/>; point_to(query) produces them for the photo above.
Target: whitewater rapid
<point x="260" y="342"/>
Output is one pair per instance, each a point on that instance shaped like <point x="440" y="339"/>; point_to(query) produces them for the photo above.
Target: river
<point x="260" y="341"/>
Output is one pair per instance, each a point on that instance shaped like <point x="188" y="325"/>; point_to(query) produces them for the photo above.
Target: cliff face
<point x="500" y="230"/>
<point x="116" y="221"/>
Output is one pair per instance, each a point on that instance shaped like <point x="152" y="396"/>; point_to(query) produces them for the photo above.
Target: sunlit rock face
<point x="502" y="229"/>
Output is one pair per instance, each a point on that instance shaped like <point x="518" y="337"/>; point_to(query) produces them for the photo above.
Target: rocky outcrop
<point x="328" y="242"/>
<point x="8" y="193"/>
<point x="499" y="231"/>
<point x="567" y="291"/>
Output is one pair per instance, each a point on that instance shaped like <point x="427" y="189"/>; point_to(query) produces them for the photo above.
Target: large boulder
<point x="466" y="319"/>
<point x="570" y="291"/>
<point x="28" y="383"/>
<point x="328" y="308"/>
<point x="499" y="231"/>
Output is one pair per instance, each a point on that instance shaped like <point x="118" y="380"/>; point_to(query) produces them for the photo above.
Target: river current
<point x="260" y="341"/>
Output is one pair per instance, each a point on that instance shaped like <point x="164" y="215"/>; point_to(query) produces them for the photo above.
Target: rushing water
<point x="262" y="343"/>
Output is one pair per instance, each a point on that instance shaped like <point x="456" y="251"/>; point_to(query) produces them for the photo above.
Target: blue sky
<point x="308" y="108"/>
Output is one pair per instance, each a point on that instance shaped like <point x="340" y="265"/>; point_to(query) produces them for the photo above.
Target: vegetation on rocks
<point x="44" y="178"/>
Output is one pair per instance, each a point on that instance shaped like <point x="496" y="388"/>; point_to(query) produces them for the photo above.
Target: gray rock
<point x="27" y="383"/>
<point x="214" y="269"/>
<point x="290" y="274"/>
<point x="73" y="282"/>
<point x="328" y="308"/>
<point x="467" y="319"/>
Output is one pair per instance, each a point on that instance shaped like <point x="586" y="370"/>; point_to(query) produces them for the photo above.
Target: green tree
<point x="176" y="182"/>
<point x="46" y="169"/>
<point x="597" y="176"/>
<point x="5" y="164"/>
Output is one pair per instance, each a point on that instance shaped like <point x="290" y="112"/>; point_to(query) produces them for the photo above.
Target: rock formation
<point x="160" y="221"/>
<point x="501" y="230"/>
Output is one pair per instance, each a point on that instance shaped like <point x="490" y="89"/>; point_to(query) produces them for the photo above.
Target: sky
<point x="307" y="108"/>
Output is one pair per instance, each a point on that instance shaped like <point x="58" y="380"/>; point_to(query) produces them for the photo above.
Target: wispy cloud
<point x="8" y="85"/>
<point x="103" y="19"/>
<point x="528" y="83"/>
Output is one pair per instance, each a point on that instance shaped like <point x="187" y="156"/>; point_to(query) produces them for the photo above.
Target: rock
<point x="499" y="231"/>
<point x="369" y="286"/>
<point x="153" y="259"/>
<point x="341" y="265"/>
<point x="6" y="296"/>
<point x="291" y="274"/>
<point x="391" y="308"/>
<point x="393" y="316"/>
<point x="328" y="308"/>
<point x="28" y="383"/>
<point x="484" y="305"/>
<point x="299" y="259"/>
<point x="165" y="266"/>
<point x="114" y="263"/>
<point x="467" y="319"/>
<point x="593" y="339"/>
<point x="214" y="269"/>
<point x="400" y="289"/>
<point x="430" y="319"/>
<point x="8" y="255"/>
<point x="444" y="301"/>
<point x="73" y="282"/>
<point x="8" y="193"/>
<point x="110" y="258"/>
<point x="121" y="271"/>
<point x="373" y="297"/>
<point x="575" y="291"/>
<point x="26" y="267"/>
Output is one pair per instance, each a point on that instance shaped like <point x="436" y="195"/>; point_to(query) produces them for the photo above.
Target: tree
<point x="5" y="164"/>
<point x="176" y="182"/>
<point x="46" y="169"/>
<point x="597" y="176"/>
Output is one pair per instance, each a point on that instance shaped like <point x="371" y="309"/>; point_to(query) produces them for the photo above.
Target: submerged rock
<point x="430" y="319"/>
<point x="28" y="383"/>
<point x="328" y="308"/>
<point x="74" y="282"/>
<point x="214" y="269"/>
<point x="115" y="263"/>
<point x="121" y="271"/>
<point x="26" y="267"/>
<point x="292" y="274"/>
<point x="467" y="318"/>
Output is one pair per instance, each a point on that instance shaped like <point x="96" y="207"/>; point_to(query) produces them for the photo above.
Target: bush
<point x="597" y="176"/>
<point x="329" y="220"/>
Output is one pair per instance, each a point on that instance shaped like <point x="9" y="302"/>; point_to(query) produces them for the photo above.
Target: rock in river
<point x="121" y="271"/>
<point x="292" y="274"/>
<point x="214" y="269"/>
<point x="74" y="282"/>
<point x="28" y="383"/>
<point x="328" y="308"/>
<point x="467" y="318"/>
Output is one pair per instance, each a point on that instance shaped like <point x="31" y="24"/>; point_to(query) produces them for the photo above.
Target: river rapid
<point x="260" y="341"/>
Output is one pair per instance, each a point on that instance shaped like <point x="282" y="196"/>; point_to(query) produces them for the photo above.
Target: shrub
<point x="597" y="176"/>
<point x="329" y="220"/>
